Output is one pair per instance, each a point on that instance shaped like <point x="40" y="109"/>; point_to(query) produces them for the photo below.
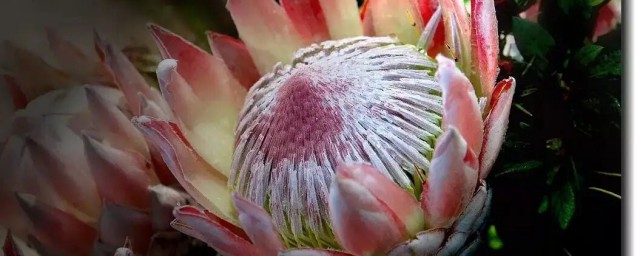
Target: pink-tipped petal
<point x="454" y="244"/>
<point x="19" y="100"/>
<point x="471" y="246"/>
<point x="429" y="31"/>
<point x="113" y="123"/>
<point x="10" y="248"/>
<point x="427" y="10"/>
<point x="57" y="229"/>
<point x="532" y="13"/>
<point x="484" y="43"/>
<point x="236" y="57"/>
<point x="11" y="99"/>
<point x="153" y="109"/>
<point x="162" y="171"/>
<point x="196" y="223"/>
<point x="308" y="19"/>
<point x="400" y="18"/>
<point x="259" y="226"/>
<point x="205" y="73"/>
<point x="401" y="203"/>
<point x="72" y="60"/>
<point x="14" y="177"/>
<point x="99" y="45"/>
<point x="461" y="107"/>
<point x="609" y="16"/>
<point x="475" y="212"/>
<point x="363" y="225"/>
<point x="211" y="125"/>
<point x="426" y="243"/>
<point x="54" y="171"/>
<point x="314" y="252"/>
<point x="121" y="176"/>
<point x="343" y="18"/>
<point x="453" y="176"/>
<point x="178" y="94"/>
<point x="129" y="80"/>
<point x="236" y="229"/>
<point x="117" y="223"/>
<point x="195" y="233"/>
<point x="268" y="32"/>
<point x="150" y="108"/>
<point x="454" y="9"/>
<point x="457" y="32"/>
<point x="495" y="125"/>
<point x="203" y="182"/>
<point x="23" y="64"/>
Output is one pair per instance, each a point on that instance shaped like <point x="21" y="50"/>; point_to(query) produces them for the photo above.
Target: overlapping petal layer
<point x="453" y="201"/>
<point x="77" y="170"/>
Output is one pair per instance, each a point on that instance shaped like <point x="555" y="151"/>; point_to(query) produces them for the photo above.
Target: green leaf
<point x="544" y="206"/>
<point x="563" y="203"/>
<point x="532" y="39"/>
<point x="607" y="65"/>
<point x="565" y="5"/>
<point x="555" y="144"/>
<point x="577" y="6"/>
<point x="588" y="54"/>
<point x="614" y="103"/>
<point x="528" y="92"/>
<point x="595" y="2"/>
<point x="519" y="167"/>
<point x="521" y="108"/>
<point x="494" y="240"/>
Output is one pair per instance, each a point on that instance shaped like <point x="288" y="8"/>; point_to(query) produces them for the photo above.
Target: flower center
<point x="359" y="99"/>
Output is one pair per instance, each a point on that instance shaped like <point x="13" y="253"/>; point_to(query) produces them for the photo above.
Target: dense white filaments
<point x="359" y="99"/>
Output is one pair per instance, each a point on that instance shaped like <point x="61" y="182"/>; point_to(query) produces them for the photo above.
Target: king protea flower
<point x="77" y="177"/>
<point x="329" y="131"/>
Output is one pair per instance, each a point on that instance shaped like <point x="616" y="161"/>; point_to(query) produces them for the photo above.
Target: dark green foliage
<point x="607" y="65"/>
<point x="533" y="41"/>
<point x="564" y="133"/>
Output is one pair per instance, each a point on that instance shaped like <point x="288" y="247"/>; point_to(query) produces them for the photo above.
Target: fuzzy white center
<point x="367" y="99"/>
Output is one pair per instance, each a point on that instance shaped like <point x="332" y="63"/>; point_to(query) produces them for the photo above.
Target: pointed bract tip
<point x="451" y="138"/>
<point x="359" y="192"/>
<point x="398" y="201"/>
<point x="155" y="27"/>
<point x="141" y="120"/>
<point x="99" y="44"/>
<point x="10" y="248"/>
<point x="453" y="176"/>
<point x="444" y="61"/>
<point x="127" y="242"/>
<point x="258" y="225"/>
<point x="164" y="70"/>
<point x="26" y="201"/>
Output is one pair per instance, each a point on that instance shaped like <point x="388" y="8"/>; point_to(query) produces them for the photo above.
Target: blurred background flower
<point x="77" y="177"/>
